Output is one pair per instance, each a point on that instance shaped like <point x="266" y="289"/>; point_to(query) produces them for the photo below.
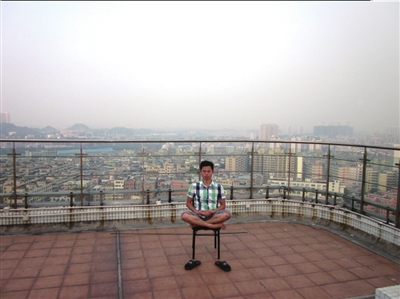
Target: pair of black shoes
<point x="194" y="263"/>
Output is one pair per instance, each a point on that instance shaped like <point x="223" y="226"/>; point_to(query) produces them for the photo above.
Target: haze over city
<point x="207" y="65"/>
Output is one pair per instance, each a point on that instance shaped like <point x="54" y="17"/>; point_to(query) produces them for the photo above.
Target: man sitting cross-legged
<point x="206" y="201"/>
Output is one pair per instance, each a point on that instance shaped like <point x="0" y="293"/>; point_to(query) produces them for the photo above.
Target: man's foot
<point x="218" y="225"/>
<point x="192" y="264"/>
<point x="223" y="265"/>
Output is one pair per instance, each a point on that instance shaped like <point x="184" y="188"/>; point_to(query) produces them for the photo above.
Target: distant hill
<point x="79" y="127"/>
<point x="16" y="131"/>
<point x="49" y="130"/>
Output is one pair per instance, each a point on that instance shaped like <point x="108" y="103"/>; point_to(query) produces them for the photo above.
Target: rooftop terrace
<point x="269" y="259"/>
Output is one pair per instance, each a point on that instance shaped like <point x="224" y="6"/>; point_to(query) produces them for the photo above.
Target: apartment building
<point x="266" y="131"/>
<point x="237" y="163"/>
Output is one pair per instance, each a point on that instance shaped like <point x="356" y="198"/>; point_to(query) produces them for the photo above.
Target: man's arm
<point x="222" y="205"/>
<point x="189" y="205"/>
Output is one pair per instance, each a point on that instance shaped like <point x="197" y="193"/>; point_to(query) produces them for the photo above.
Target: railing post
<point x="267" y="193"/>
<point x="334" y="199"/>
<point x="81" y="154"/>
<point x="387" y="215"/>
<point x="303" y="195"/>
<point x="14" y="155"/>
<point x="71" y="199"/>
<point x="169" y="195"/>
<point x="252" y="170"/>
<point x="101" y="197"/>
<point x="327" y="173"/>
<point x="26" y="200"/>
<point x="316" y="196"/>
<point x="231" y="197"/>
<point x="148" y="197"/>
<point x="365" y="160"/>
<point x="199" y="160"/>
<point x="290" y="154"/>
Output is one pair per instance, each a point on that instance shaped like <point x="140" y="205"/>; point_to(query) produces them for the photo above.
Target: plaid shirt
<point x="206" y="198"/>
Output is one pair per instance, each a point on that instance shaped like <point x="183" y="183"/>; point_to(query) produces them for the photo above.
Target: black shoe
<point x="192" y="264"/>
<point x="223" y="265"/>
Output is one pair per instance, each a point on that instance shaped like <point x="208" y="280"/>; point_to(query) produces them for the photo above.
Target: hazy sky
<point x="206" y="65"/>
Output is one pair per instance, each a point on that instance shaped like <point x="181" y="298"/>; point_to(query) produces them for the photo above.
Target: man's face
<point x="206" y="173"/>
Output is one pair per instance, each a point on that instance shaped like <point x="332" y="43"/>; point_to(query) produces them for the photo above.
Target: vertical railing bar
<point x="14" y="157"/>
<point x="199" y="160"/>
<point x="26" y="200"/>
<point x="387" y="215"/>
<point x="365" y="160"/>
<point x="15" y="175"/>
<point x="81" y="154"/>
<point x="143" y="174"/>
<point x="81" y="160"/>
<point x="251" y="170"/>
<point x="289" y="170"/>
<point x="327" y="174"/>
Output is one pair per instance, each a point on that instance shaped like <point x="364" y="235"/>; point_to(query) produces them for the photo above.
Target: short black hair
<point x="207" y="163"/>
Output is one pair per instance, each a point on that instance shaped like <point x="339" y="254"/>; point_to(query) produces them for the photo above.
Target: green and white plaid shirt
<point x="206" y="198"/>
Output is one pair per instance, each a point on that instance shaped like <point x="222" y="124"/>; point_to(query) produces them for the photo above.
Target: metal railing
<point x="361" y="178"/>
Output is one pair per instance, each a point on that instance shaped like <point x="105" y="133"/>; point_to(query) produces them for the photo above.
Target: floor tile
<point x="268" y="260"/>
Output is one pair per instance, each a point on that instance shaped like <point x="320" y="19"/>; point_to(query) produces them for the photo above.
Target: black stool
<point x="196" y="233"/>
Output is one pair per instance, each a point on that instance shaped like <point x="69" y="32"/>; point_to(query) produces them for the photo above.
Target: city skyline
<point x="201" y="65"/>
<point x="263" y="132"/>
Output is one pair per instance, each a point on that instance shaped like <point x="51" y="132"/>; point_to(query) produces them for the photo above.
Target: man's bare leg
<point x="219" y="219"/>
<point x="196" y="221"/>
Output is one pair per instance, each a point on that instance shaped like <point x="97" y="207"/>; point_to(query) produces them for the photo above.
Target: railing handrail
<point x="194" y="141"/>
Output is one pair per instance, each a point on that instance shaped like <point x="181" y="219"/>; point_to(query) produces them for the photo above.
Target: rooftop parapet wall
<point x="341" y="221"/>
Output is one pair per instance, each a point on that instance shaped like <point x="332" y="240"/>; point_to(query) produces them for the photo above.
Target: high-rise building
<point x="5" y="117"/>
<point x="277" y="165"/>
<point x="395" y="159"/>
<point x="237" y="163"/>
<point x="350" y="175"/>
<point x="266" y="131"/>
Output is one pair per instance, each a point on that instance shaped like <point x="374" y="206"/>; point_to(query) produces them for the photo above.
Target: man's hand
<point x="205" y="213"/>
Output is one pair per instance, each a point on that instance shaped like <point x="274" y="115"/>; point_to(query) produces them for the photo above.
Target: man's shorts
<point x="205" y="218"/>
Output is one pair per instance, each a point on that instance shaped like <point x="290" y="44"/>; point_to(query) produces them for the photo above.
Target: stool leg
<point x="193" y="244"/>
<point x="218" y="245"/>
<point x="215" y="238"/>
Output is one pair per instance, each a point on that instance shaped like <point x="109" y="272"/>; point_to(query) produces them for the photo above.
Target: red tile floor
<point x="268" y="260"/>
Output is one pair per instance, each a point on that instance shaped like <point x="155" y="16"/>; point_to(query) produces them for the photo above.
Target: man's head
<point x="206" y="163"/>
<point x="206" y="170"/>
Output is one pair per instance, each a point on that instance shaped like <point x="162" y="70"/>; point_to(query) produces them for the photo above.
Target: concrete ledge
<point x="392" y="292"/>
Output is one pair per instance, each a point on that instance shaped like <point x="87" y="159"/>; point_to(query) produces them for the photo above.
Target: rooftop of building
<point x="269" y="259"/>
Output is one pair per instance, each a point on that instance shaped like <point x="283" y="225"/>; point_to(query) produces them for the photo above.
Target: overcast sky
<point x="204" y="65"/>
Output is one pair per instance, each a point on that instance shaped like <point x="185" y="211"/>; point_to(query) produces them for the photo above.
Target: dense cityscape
<point x="298" y="160"/>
